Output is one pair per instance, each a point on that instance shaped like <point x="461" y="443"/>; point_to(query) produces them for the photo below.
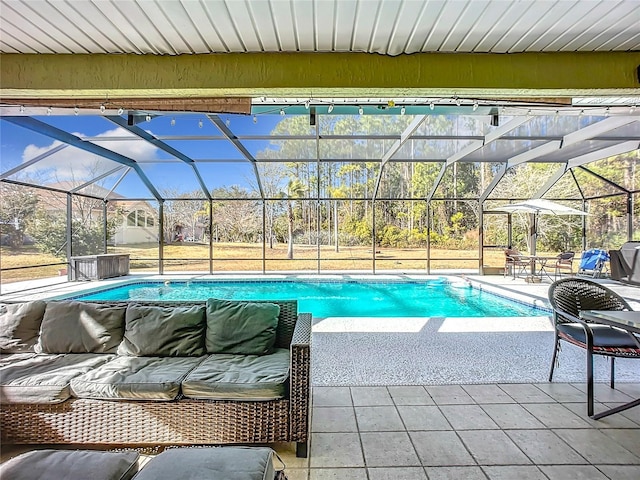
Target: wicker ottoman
<point x="71" y="465"/>
<point x="212" y="463"/>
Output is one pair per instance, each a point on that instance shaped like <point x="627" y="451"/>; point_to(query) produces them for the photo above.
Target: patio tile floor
<point x="487" y="432"/>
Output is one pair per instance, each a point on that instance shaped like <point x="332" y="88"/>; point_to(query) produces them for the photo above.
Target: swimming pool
<point x="432" y="298"/>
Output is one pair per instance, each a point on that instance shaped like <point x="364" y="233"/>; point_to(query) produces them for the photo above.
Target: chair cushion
<point x="44" y="378"/>
<point x="212" y="463"/>
<point x="135" y="378"/>
<point x="80" y="327"/>
<point x="241" y="327"/>
<point x="605" y="338"/>
<point x="20" y="326"/>
<point x="239" y="377"/>
<point x="163" y="331"/>
<point x="71" y="465"/>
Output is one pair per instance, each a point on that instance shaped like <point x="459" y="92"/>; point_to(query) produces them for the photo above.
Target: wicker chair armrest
<point x="302" y="331"/>
<point x="300" y="394"/>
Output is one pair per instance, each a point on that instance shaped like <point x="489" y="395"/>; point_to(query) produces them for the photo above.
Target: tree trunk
<point x="309" y="223"/>
<point x="290" y="246"/>
<point x="335" y="224"/>
<point x="271" y="228"/>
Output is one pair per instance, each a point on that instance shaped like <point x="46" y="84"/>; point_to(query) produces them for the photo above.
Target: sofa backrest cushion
<point x="163" y="331"/>
<point x="241" y="327"/>
<point x="20" y="326"/>
<point x="80" y="327"/>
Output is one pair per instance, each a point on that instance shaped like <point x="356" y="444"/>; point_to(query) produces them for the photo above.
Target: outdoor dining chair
<point x="564" y="263"/>
<point x="570" y="296"/>
<point x="515" y="262"/>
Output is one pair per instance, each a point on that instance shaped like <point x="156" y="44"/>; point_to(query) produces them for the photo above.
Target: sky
<point x="19" y="145"/>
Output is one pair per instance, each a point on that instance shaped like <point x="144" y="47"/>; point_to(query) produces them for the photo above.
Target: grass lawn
<point x="27" y="256"/>
<point x="191" y="256"/>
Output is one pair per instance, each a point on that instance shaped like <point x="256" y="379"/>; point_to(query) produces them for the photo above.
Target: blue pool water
<point x="436" y="298"/>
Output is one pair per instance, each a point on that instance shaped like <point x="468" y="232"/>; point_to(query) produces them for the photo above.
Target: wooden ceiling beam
<point x="176" y="104"/>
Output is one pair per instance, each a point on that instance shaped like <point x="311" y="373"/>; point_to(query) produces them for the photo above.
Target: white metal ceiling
<point x="390" y="27"/>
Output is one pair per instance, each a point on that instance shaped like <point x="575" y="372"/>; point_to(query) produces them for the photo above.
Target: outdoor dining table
<point x="627" y="320"/>
<point x="540" y="262"/>
<point x="537" y="265"/>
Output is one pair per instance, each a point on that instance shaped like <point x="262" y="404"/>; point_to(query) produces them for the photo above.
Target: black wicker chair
<point x="570" y="296"/>
<point x="564" y="262"/>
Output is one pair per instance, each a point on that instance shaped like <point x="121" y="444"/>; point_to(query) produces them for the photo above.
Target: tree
<point x="272" y="179"/>
<point x="180" y="215"/>
<point x="295" y="189"/>
<point x="49" y="229"/>
<point x="336" y="192"/>
<point x="235" y="220"/>
<point x="47" y="224"/>
<point x="50" y="232"/>
<point x="17" y="209"/>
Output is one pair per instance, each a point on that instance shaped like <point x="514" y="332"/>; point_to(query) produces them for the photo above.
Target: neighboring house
<point x="137" y="220"/>
<point x="139" y="223"/>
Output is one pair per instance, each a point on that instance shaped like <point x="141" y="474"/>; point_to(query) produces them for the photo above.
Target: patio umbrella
<point x="537" y="207"/>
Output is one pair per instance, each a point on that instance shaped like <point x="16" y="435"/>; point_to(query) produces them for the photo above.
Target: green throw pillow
<point x="241" y="327"/>
<point x="152" y="331"/>
<point x="20" y="326"/>
<point x="79" y="327"/>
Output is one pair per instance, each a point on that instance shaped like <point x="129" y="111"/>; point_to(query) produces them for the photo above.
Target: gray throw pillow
<point x="241" y="327"/>
<point x="213" y="463"/>
<point x="163" y="331"/>
<point x="20" y="326"/>
<point x="72" y="465"/>
<point x="80" y="327"/>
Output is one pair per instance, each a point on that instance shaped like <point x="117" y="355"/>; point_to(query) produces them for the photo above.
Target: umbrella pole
<point x="533" y="233"/>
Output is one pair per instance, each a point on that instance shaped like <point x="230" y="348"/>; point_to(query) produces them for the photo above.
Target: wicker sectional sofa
<point x="155" y="373"/>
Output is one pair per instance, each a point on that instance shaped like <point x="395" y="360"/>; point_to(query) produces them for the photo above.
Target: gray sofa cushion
<point x="239" y="377"/>
<point x="44" y="378"/>
<point x="9" y="358"/>
<point x="71" y="465"/>
<point x="163" y="331"/>
<point x="241" y="327"/>
<point x="80" y="327"/>
<point x="20" y="326"/>
<point x="135" y="378"/>
<point x="211" y="463"/>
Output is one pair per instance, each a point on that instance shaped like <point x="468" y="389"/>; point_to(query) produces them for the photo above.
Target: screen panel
<point x="345" y="235"/>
